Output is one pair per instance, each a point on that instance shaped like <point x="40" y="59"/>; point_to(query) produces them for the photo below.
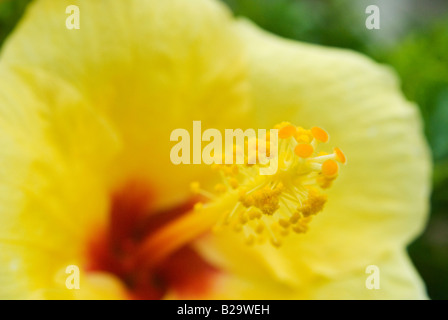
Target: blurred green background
<point x="413" y="38"/>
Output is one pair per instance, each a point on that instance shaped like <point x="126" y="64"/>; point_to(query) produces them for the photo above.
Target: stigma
<point x="268" y="208"/>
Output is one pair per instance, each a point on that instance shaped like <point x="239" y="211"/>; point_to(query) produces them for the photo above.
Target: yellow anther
<point x="266" y="200"/>
<point x="330" y="168"/>
<point x="340" y="156"/>
<point x="325" y="182"/>
<point x="283" y="232"/>
<point x="242" y="192"/>
<point x="295" y="217"/>
<point x="254" y="214"/>
<point x="276" y="242"/>
<point x="314" y="204"/>
<point x="233" y="183"/>
<point x="319" y="134"/>
<point x="220" y="188"/>
<point x="304" y="150"/>
<point x="243" y="219"/>
<point x="250" y="240"/>
<point x="247" y="201"/>
<point x="300" y="228"/>
<point x="237" y="227"/>
<point x="287" y="131"/>
<point x="195" y="187"/>
<point x="259" y="228"/>
<point x="198" y="206"/>
<point x="283" y="223"/>
<point x="303" y="138"/>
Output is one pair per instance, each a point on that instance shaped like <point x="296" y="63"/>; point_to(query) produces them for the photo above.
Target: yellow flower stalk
<point x="86" y="177"/>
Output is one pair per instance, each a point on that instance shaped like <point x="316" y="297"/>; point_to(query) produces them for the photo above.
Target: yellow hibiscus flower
<point x="86" y="177"/>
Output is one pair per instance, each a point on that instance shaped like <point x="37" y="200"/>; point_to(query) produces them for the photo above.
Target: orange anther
<point x="330" y="168"/>
<point x="340" y="155"/>
<point x="319" y="134"/>
<point x="287" y="132"/>
<point x="304" y="150"/>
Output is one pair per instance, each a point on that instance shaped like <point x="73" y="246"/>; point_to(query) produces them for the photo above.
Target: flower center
<point x="261" y="207"/>
<point x="269" y="207"/>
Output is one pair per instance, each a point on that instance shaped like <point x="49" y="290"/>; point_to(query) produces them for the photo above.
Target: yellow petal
<point x="145" y="68"/>
<point x="380" y="200"/>
<point x="396" y="279"/>
<point x="45" y="215"/>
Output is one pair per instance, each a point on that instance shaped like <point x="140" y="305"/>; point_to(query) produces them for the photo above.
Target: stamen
<point x="340" y="156"/>
<point x="319" y="134"/>
<point x="330" y="168"/>
<point x="260" y="207"/>
<point x="288" y="199"/>
<point x="304" y="150"/>
<point x="287" y="132"/>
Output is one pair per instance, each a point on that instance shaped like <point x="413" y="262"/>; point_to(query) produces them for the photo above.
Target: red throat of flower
<point x="147" y="273"/>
